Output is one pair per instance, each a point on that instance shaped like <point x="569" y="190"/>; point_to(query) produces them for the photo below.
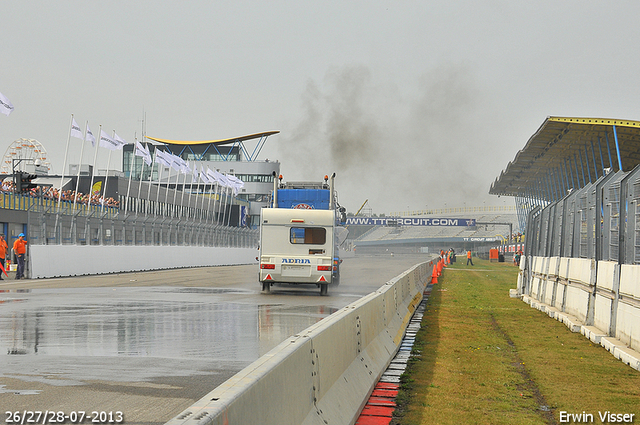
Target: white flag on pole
<point x="211" y="176"/>
<point x="5" y="105"/>
<point x="120" y="141"/>
<point x="162" y="158"/>
<point x="109" y="143"/>
<point x="208" y="176"/>
<point x="222" y="179"/>
<point x="75" y="130"/>
<point x="194" y="174"/>
<point x="236" y="183"/>
<point x="185" y="168"/>
<point x="143" y="152"/>
<point x="175" y="161"/>
<point x="90" y="137"/>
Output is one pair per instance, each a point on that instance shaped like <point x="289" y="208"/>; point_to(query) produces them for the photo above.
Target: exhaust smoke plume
<point x="413" y="151"/>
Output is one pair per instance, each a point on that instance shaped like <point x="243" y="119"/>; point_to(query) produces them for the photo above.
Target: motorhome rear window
<point x="308" y="235"/>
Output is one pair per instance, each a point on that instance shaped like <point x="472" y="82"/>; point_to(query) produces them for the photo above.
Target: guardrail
<point x="324" y="374"/>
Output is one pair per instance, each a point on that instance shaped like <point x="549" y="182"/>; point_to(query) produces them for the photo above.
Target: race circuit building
<point x="231" y="156"/>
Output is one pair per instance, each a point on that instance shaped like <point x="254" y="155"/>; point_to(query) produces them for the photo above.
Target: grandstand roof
<point x="215" y="142"/>
<point x="563" y="146"/>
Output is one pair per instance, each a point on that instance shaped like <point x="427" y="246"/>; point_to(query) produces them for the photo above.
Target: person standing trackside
<point x="3" y="253"/>
<point x="469" y="260"/>
<point x="20" y="249"/>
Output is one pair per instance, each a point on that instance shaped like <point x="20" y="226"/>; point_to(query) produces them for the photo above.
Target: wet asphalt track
<point x="150" y="344"/>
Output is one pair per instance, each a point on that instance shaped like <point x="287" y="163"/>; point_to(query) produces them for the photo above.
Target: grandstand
<point x="491" y="229"/>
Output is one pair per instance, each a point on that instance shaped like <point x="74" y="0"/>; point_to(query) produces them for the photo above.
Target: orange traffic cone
<point x="439" y="268"/>
<point x="434" y="275"/>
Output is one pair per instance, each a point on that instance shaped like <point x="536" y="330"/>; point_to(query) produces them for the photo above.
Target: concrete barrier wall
<point x="628" y="315"/>
<point x="563" y="281"/>
<point x="75" y="260"/>
<point x="599" y="299"/>
<point x="605" y="295"/>
<point x="324" y="374"/>
<point x="538" y="275"/>
<point x="581" y="284"/>
<point x="548" y="295"/>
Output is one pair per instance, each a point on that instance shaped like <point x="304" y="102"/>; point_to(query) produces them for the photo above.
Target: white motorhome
<point x="298" y="246"/>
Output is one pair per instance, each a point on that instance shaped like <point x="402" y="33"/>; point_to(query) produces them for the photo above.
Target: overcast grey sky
<point x="411" y="103"/>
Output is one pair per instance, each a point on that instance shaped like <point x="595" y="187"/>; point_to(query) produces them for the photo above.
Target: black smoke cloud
<point x="410" y="151"/>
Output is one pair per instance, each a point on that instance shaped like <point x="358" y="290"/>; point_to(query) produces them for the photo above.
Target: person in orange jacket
<point x="469" y="260"/>
<point x="3" y="253"/>
<point x="20" y="249"/>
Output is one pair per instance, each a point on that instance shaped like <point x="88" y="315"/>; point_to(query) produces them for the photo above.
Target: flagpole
<point x="230" y="205"/>
<point x="191" y="188"/>
<point x="160" y="166"/>
<point x="232" y="196"/>
<point x="66" y="152"/>
<point x="175" y="190"/>
<point x="215" y="195"/>
<point x="106" y="177"/>
<point x="209" y="203"/>
<point x="204" y="190"/>
<point x="184" y="183"/>
<point x="150" y="179"/>
<point x="200" y="179"/>
<point x="195" y="206"/>
<point x="133" y="151"/>
<point x="219" y="202"/>
<point x="225" y="207"/>
<point x="93" y="170"/>
<point x="141" y="175"/>
<point x="80" y="165"/>
<point x="166" y="192"/>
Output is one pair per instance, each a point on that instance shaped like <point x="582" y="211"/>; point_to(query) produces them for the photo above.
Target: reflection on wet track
<point x="155" y="322"/>
<point x="152" y="343"/>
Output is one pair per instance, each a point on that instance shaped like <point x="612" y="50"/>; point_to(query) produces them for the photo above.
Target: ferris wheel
<point x="26" y="149"/>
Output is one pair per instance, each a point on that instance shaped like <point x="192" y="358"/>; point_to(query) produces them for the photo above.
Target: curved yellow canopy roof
<point x="215" y="142"/>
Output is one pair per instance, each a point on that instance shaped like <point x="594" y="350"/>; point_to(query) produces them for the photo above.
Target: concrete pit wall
<point x="75" y="260"/>
<point x="599" y="299"/>
<point x="325" y="374"/>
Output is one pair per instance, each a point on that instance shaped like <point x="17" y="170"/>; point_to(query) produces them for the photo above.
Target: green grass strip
<point x="486" y="358"/>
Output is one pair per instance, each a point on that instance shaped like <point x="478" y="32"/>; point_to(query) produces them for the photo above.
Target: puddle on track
<point x="146" y="322"/>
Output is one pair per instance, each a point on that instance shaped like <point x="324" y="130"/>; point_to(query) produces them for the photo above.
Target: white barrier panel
<point x="580" y="275"/>
<point x="561" y="286"/>
<point x="602" y="302"/>
<point x="75" y="260"/>
<point x="538" y="276"/>
<point x="324" y="374"/>
<point x="628" y="316"/>
<point x="605" y="294"/>
<point x="551" y="281"/>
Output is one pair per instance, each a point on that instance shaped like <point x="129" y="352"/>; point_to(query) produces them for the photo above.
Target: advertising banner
<point x="409" y="221"/>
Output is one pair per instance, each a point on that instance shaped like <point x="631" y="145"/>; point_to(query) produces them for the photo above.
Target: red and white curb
<point x="382" y="402"/>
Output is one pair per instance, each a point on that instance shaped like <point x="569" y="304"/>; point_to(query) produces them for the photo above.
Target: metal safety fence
<point x="64" y="223"/>
<point x="600" y="221"/>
